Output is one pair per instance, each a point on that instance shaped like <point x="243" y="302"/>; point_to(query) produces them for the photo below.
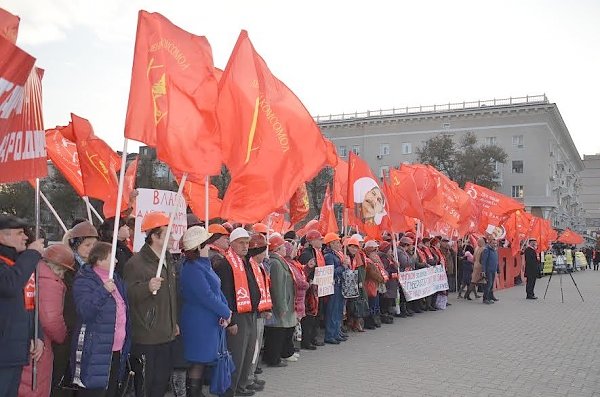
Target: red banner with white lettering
<point x="22" y="138"/>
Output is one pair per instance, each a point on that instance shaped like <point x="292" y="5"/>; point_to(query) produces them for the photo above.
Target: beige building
<point x="543" y="166"/>
<point x="590" y="193"/>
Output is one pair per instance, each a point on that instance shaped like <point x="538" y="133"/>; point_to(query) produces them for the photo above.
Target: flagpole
<point x="163" y="252"/>
<point x="36" y="310"/>
<point x="95" y="212"/>
<point x="269" y="223"/>
<point x="113" y="249"/>
<point x="206" y="202"/>
<point x="51" y="208"/>
<point x="417" y="235"/>
<point x="86" y="200"/>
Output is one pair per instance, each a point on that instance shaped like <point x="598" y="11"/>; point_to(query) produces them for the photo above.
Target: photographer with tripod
<point x="532" y="268"/>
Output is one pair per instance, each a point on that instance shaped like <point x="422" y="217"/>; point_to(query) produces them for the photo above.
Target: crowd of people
<point x="146" y="330"/>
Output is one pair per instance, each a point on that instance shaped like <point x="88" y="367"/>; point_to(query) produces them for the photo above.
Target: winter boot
<point x="193" y="387"/>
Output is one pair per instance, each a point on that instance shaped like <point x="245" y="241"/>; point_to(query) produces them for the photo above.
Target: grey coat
<point x="282" y="293"/>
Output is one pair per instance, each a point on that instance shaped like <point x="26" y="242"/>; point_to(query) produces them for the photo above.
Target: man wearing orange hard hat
<point x="153" y="317"/>
<point x="334" y="311"/>
<point x="220" y="245"/>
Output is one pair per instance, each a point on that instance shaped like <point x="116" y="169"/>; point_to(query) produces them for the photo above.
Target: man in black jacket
<point x="532" y="269"/>
<point x="17" y="264"/>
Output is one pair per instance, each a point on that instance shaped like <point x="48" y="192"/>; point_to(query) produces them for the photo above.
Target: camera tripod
<point x="562" y="297"/>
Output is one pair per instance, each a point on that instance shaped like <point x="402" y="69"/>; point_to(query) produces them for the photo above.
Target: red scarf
<point x="219" y="250"/>
<point x="320" y="259"/>
<point x="264" y="285"/>
<point x="28" y="290"/>
<point x="381" y="269"/>
<point x="240" y="282"/>
<point x="441" y="256"/>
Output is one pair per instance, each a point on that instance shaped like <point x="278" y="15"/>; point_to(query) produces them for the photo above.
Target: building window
<point x="490" y="141"/>
<point x="342" y="151"/>
<point x="384" y="149"/>
<point x="384" y="172"/>
<point x="517" y="191"/>
<point x="517" y="141"/>
<point x="517" y="167"/>
<point x="406" y="148"/>
<point x="356" y="149"/>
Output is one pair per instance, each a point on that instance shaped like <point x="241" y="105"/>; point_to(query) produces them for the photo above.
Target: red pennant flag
<point x="271" y="144"/>
<point x="9" y="26"/>
<point x="110" y="205"/>
<point x="517" y="227"/>
<point x="570" y="237"/>
<point x="98" y="162"/>
<point x="65" y="158"/>
<point x="366" y="198"/>
<point x="173" y="96"/>
<point x="340" y="181"/>
<point x="194" y="193"/>
<point x="399" y="221"/>
<point x="402" y="194"/>
<point x="276" y="221"/>
<point x="327" y="220"/>
<point x="491" y="208"/>
<point x="299" y="205"/>
<point x="543" y="232"/>
<point x="22" y="138"/>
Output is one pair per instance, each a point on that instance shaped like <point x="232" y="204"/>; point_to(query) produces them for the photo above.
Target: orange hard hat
<point x="331" y="236"/>
<point x="276" y="242"/>
<point x="353" y="241"/>
<point x="153" y="220"/>
<point x="216" y="228"/>
<point x="313" y="235"/>
<point x="260" y="228"/>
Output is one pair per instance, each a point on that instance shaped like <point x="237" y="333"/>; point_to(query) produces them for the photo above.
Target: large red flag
<point x="543" y="232"/>
<point x="299" y="204"/>
<point x="340" y="181"/>
<point x="98" y="162"/>
<point x="63" y="154"/>
<point x="9" y="26"/>
<point x="399" y="221"/>
<point x="492" y="208"/>
<point x="270" y="142"/>
<point x="173" y="96"/>
<point x="22" y="138"/>
<point x="570" y="237"/>
<point x="517" y="227"/>
<point x="402" y="194"/>
<point x="110" y="205"/>
<point x="195" y="196"/>
<point x="327" y="220"/>
<point x="365" y="198"/>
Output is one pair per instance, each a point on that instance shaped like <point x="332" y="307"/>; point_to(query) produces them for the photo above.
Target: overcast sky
<point x="337" y="56"/>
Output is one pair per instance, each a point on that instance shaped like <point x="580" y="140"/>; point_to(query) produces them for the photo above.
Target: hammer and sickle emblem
<point x="242" y="293"/>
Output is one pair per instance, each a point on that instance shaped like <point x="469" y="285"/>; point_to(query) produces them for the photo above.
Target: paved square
<point x="512" y="348"/>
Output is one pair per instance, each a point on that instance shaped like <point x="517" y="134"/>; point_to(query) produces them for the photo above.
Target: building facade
<point x="590" y="194"/>
<point x="543" y="167"/>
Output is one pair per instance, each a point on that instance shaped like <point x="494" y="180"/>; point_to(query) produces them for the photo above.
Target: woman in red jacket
<point x="57" y="260"/>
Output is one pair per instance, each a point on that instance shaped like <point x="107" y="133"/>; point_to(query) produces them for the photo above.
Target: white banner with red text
<point x="420" y="283"/>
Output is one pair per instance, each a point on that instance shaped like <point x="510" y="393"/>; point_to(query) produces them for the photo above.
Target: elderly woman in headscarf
<point x="56" y="261"/>
<point x="369" y="201"/>
<point x="288" y="351"/>
<point x="376" y="276"/>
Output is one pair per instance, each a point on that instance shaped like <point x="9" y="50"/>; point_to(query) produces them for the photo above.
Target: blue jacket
<point x="331" y="259"/>
<point x="489" y="260"/>
<point x="204" y="304"/>
<point x="94" y="331"/>
<point x="16" y="323"/>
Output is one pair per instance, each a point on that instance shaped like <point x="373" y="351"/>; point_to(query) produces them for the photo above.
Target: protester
<point x="123" y="253"/>
<point x="478" y="277"/>
<point x="406" y="263"/>
<point x="17" y="265"/>
<point x="240" y="287"/>
<point x="532" y="268"/>
<point x="357" y="308"/>
<point x="373" y="280"/>
<point x="387" y="300"/>
<point x="57" y="260"/>
<point x="310" y="258"/>
<point x="204" y="307"/>
<point x="220" y="242"/>
<point x="334" y="312"/>
<point x="300" y="288"/>
<point x="102" y="333"/>
<point x="281" y="327"/>
<point x="489" y="263"/>
<point x="153" y="308"/>
<point x="81" y="238"/>
<point x="450" y="257"/>
<point x="467" y="272"/>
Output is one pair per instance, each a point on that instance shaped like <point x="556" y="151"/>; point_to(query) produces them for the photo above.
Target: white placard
<point x="154" y="200"/>
<point x="324" y="280"/>
<point x="420" y="283"/>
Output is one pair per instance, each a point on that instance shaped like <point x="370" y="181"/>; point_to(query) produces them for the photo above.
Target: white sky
<point x="337" y="56"/>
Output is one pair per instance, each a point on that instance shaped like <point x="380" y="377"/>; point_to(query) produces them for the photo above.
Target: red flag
<point x="195" y="196"/>
<point x="63" y="154"/>
<point x="98" y="162"/>
<point x="366" y="198"/>
<point x="22" y="138"/>
<point x="399" y="221"/>
<point x="543" y="232"/>
<point x="402" y="194"/>
<point x="276" y="221"/>
<point x="270" y="142"/>
<point x="517" y="227"/>
<point x="327" y="220"/>
<point x="570" y="237"/>
<point x="9" y="26"/>
<point x="110" y="205"/>
<point x="173" y="96"/>
<point x="492" y="208"/>
<point x="299" y="205"/>
<point x="340" y="181"/>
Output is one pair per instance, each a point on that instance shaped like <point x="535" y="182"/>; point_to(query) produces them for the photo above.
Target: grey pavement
<point x="512" y="348"/>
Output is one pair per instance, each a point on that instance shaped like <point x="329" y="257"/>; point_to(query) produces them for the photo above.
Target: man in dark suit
<point x="532" y="268"/>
